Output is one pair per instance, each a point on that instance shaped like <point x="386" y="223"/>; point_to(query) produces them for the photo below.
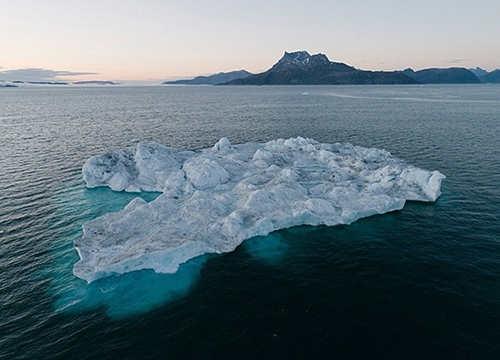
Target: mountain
<point x="443" y="76"/>
<point x="492" y="77"/>
<point x="303" y="59"/>
<point x="212" y="79"/>
<point x="300" y="68"/>
<point x="479" y="72"/>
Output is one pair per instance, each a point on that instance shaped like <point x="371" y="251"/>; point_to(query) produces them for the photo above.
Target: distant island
<point x="17" y="83"/>
<point x="301" y="68"/>
<point x="41" y="82"/>
<point x="215" y="79"/>
<point x="94" y="82"/>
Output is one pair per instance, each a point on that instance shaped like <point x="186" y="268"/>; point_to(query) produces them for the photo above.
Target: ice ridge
<point x="214" y="199"/>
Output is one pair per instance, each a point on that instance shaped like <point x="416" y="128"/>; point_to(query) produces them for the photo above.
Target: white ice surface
<point x="214" y="199"/>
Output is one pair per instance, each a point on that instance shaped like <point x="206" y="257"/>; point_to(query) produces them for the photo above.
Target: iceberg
<point x="213" y="199"/>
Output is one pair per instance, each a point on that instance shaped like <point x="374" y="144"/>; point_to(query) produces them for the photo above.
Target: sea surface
<point x="420" y="283"/>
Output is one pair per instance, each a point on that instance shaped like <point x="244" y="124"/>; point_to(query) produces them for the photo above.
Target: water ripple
<point x="422" y="280"/>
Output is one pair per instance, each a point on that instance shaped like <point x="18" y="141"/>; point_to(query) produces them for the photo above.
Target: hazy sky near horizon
<point x="155" y="40"/>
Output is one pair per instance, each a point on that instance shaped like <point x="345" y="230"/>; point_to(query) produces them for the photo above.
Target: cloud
<point x="458" y="61"/>
<point x="37" y="74"/>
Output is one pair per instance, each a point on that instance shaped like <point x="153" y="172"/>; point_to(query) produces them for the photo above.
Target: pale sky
<point x="156" y="40"/>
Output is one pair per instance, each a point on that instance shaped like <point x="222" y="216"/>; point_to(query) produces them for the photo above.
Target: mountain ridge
<point x="453" y="75"/>
<point x="211" y="79"/>
<point x="301" y="68"/>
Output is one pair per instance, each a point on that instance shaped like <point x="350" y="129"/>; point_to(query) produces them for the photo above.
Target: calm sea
<point x="421" y="283"/>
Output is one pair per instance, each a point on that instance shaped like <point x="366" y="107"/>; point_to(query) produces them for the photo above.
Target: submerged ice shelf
<point x="214" y="199"/>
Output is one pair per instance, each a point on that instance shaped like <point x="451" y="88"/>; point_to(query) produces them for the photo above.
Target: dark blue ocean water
<point x="421" y="283"/>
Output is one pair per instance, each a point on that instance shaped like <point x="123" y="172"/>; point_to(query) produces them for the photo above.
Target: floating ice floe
<point x="214" y="199"/>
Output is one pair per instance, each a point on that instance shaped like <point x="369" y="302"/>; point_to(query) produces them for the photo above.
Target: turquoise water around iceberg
<point x="423" y="282"/>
